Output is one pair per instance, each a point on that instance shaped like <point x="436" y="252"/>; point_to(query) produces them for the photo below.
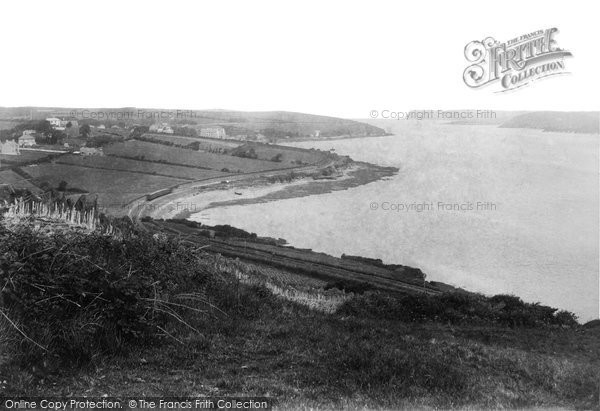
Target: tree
<point x="56" y="136"/>
<point x="85" y="130"/>
<point x="43" y="126"/>
<point x="138" y="131"/>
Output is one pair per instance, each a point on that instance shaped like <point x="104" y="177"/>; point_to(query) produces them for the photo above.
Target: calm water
<point x="538" y="238"/>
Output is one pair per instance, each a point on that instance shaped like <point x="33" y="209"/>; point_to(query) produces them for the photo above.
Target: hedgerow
<point x="457" y="308"/>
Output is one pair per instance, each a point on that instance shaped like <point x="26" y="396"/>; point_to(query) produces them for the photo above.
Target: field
<point x="114" y="188"/>
<point x="24" y="157"/>
<point x="17" y="181"/>
<point x="289" y="155"/>
<point x="173" y="155"/>
<point x="205" y="143"/>
<point x="146" y="167"/>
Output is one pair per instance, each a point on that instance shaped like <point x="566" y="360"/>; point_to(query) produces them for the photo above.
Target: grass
<point x="145" y="167"/>
<point x="114" y="188"/>
<point x="307" y="359"/>
<point x="173" y="155"/>
<point x="258" y="343"/>
<point x="24" y="157"/>
<point x="205" y="144"/>
<point x="289" y="155"/>
<point x="17" y="181"/>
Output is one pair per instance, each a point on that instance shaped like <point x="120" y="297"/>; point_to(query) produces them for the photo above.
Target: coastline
<point x="192" y="201"/>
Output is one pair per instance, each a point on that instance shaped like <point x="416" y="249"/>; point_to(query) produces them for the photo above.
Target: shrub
<point x="350" y="286"/>
<point x="457" y="308"/>
<point x="76" y="296"/>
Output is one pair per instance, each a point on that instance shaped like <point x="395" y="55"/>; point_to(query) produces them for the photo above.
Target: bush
<point x="349" y="286"/>
<point x="76" y="296"/>
<point x="457" y="308"/>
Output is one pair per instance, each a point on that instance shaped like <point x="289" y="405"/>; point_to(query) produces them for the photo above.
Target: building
<point x="27" y="139"/>
<point x="213" y="132"/>
<point x="91" y="151"/>
<point x="54" y="122"/>
<point x="163" y="128"/>
<point x="10" y="148"/>
<point x="62" y="125"/>
<point x="65" y="123"/>
<point x="261" y="138"/>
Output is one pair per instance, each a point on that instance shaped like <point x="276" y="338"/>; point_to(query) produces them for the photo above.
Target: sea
<point x="493" y="210"/>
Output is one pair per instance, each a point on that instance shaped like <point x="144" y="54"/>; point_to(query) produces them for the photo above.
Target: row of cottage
<point x="12" y="147"/>
<point x="210" y="132"/>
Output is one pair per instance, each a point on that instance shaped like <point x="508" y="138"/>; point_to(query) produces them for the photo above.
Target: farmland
<point x="16" y="181"/>
<point x="24" y="158"/>
<point x="289" y="156"/>
<point x="114" y="188"/>
<point x="172" y="155"/>
<point x="129" y="170"/>
<point x="205" y="143"/>
<point x="136" y="166"/>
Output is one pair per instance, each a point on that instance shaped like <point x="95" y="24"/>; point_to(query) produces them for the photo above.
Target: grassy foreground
<point x="93" y="315"/>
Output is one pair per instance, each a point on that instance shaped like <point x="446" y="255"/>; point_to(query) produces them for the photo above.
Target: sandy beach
<point x="189" y="202"/>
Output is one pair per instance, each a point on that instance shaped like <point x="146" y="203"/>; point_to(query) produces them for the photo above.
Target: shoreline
<point x="188" y="202"/>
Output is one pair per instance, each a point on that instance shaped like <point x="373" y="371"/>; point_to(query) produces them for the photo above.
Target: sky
<point x="339" y="58"/>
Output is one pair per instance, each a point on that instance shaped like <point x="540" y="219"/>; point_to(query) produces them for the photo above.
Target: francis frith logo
<point x="515" y="63"/>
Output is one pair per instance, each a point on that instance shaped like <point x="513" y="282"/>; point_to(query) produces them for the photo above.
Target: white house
<point x="54" y="122"/>
<point x="161" y="128"/>
<point x="27" y="139"/>
<point x="213" y="132"/>
<point x="9" y="147"/>
<point x="91" y="151"/>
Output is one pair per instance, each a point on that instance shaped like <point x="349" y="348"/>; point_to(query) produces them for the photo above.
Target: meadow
<point x="24" y="158"/>
<point x="286" y="155"/>
<point x="16" y="181"/>
<point x="114" y="188"/>
<point x="205" y="144"/>
<point x="172" y="155"/>
<point x="146" y="167"/>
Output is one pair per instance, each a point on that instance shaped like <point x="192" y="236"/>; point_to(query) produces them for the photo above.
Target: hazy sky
<point x="340" y="58"/>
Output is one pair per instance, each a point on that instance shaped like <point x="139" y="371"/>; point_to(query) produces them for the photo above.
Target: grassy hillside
<point x="272" y="124"/>
<point x="143" y="315"/>
<point x="559" y="121"/>
<point x="141" y="150"/>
